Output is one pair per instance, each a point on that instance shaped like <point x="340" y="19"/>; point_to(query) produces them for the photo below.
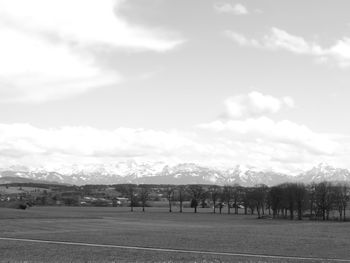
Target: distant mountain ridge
<point x="160" y="173"/>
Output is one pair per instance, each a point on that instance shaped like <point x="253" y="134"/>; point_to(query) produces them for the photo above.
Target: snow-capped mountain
<point x="160" y="173"/>
<point x="324" y="172"/>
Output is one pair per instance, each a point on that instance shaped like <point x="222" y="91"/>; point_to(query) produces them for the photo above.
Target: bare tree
<point x="311" y="189"/>
<point x="300" y="199"/>
<point x="257" y="196"/>
<point x="289" y="190"/>
<point x="324" y="198"/>
<point x="245" y="200"/>
<point x="196" y="192"/>
<point x="181" y="194"/>
<point x="276" y="197"/>
<point x="128" y="190"/>
<point x="236" y="194"/>
<point x="214" y="194"/>
<point x="203" y="198"/>
<point x="341" y="197"/>
<point x="227" y="196"/>
<point x="144" y="196"/>
<point x="170" y="190"/>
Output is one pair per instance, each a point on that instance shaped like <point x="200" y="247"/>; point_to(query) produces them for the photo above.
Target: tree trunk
<point x="300" y="214"/>
<point x="323" y="214"/>
<point x="170" y="207"/>
<point x="291" y="211"/>
<point x="258" y="211"/>
<point x="311" y="209"/>
<point x="195" y="209"/>
<point x="181" y="206"/>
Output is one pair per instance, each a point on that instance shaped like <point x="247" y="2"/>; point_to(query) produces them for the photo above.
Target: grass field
<point x="156" y="228"/>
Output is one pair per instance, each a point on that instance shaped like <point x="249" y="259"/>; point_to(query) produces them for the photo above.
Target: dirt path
<point x="213" y="253"/>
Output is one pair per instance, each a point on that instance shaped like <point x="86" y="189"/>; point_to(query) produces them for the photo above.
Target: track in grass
<point x="199" y="252"/>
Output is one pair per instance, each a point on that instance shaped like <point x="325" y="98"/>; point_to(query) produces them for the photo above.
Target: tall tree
<point x="214" y="194"/>
<point x="311" y="190"/>
<point x="236" y="196"/>
<point x="144" y="196"/>
<point x="170" y="196"/>
<point x="257" y="197"/>
<point x="324" y="198"/>
<point x="227" y="196"/>
<point x="300" y="199"/>
<point x="341" y="198"/>
<point x="129" y="191"/>
<point x="181" y="195"/>
<point x="276" y="197"/>
<point x="196" y="192"/>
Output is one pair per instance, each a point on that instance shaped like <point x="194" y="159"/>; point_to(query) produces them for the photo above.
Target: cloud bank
<point x="247" y="136"/>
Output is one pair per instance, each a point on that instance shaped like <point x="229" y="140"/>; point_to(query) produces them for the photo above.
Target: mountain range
<point x="160" y="173"/>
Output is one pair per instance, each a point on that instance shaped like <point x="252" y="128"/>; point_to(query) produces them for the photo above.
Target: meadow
<point x="157" y="228"/>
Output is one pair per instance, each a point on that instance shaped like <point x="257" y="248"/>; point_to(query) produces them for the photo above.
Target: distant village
<point x="24" y="195"/>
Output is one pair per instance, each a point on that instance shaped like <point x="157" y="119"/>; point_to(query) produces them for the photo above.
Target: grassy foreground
<point x="158" y="228"/>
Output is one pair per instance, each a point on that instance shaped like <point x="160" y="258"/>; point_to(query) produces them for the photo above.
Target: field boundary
<point x="175" y="250"/>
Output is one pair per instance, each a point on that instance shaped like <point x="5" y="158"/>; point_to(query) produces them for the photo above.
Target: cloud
<point x="84" y="22"/>
<point x="241" y="39"/>
<point x="252" y="138"/>
<point x="87" y="141"/>
<point x="237" y="9"/>
<point x="255" y="104"/>
<point x="259" y="142"/>
<point x="284" y="132"/>
<point x="24" y="144"/>
<point x="32" y="70"/>
<point x="45" y="47"/>
<point x="278" y="39"/>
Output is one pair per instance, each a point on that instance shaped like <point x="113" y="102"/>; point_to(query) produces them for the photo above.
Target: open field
<point x="121" y="231"/>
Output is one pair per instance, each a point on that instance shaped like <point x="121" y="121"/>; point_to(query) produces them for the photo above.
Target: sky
<point x="257" y="83"/>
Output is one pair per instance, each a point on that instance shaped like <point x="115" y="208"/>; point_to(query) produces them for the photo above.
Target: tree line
<point x="319" y="201"/>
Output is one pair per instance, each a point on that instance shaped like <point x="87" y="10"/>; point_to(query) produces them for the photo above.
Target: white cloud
<point x="255" y="104"/>
<point x="87" y="141"/>
<point x="285" y="132"/>
<point x="84" y="22"/>
<point x="259" y="142"/>
<point x="241" y="39"/>
<point x="251" y="138"/>
<point x="32" y="70"/>
<point x="24" y="144"/>
<point x="44" y="47"/>
<point x="237" y="9"/>
<point x="278" y="39"/>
